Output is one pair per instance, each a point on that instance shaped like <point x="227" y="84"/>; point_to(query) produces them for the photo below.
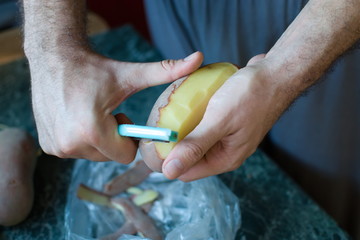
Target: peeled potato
<point x="17" y="163"/>
<point x="181" y="107"/>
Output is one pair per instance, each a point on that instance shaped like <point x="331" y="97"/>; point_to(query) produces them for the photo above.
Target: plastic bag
<point x="202" y="209"/>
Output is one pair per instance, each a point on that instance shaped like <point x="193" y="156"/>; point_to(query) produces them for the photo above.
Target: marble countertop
<point x="272" y="205"/>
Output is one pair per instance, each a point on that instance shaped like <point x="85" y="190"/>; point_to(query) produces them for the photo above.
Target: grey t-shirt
<point x="320" y="134"/>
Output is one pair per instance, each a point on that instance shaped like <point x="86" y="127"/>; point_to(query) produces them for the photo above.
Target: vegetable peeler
<point x="152" y="133"/>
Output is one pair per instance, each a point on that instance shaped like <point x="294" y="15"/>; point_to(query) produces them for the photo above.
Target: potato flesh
<point x="188" y="103"/>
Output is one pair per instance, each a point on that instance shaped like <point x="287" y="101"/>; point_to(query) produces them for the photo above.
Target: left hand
<point x="236" y="120"/>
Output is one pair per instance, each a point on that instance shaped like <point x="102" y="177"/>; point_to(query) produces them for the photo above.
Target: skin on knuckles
<point x="76" y="140"/>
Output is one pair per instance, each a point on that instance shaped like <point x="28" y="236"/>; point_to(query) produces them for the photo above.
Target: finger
<point x="207" y="166"/>
<point x="191" y="149"/>
<point x="214" y="162"/>
<point x="256" y="59"/>
<point x="143" y="75"/>
<point x="218" y="160"/>
<point x="111" y="144"/>
<point x="121" y="118"/>
<point x="200" y="170"/>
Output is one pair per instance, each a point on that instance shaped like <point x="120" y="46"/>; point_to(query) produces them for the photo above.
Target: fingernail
<point x="190" y="57"/>
<point x="173" y="168"/>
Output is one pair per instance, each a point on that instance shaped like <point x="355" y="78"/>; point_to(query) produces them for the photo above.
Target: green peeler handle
<point x="152" y="133"/>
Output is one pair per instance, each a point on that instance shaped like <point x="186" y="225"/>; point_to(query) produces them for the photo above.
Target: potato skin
<point x="147" y="148"/>
<point x="17" y="164"/>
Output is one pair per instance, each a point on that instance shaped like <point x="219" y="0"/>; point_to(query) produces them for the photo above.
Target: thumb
<point x="191" y="149"/>
<point x="143" y="75"/>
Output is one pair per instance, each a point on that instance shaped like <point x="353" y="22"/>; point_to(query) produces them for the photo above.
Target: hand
<point x="237" y="118"/>
<point x="73" y="99"/>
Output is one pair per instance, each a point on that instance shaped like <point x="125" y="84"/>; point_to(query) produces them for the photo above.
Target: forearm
<point x="323" y="31"/>
<point x="53" y="26"/>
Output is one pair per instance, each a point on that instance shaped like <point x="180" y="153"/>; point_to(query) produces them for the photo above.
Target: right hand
<point x="73" y="98"/>
<point x="236" y="119"/>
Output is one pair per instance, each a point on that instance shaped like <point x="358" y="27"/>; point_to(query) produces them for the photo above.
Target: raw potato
<point x="145" y="197"/>
<point x="17" y="164"/>
<point x="181" y="107"/>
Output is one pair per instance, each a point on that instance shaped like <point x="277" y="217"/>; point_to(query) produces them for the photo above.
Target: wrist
<point x="286" y="76"/>
<point x="270" y="84"/>
<point x="58" y="54"/>
<point x="52" y="27"/>
<point x="320" y="34"/>
<point x="59" y="44"/>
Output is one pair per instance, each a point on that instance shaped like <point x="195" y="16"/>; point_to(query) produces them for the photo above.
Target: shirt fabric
<point x="317" y="140"/>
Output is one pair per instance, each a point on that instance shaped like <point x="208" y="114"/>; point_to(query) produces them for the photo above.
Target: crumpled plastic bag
<point x="199" y="210"/>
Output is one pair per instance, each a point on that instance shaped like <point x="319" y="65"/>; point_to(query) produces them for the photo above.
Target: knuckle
<point x="68" y="144"/>
<point x="167" y="64"/>
<point x="65" y="149"/>
<point x="193" y="151"/>
<point x="91" y="137"/>
<point x="87" y="133"/>
<point x="72" y="143"/>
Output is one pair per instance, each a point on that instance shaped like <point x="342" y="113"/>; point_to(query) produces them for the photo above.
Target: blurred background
<point x="103" y="15"/>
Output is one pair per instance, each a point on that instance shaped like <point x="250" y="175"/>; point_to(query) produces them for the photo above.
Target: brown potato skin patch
<point x="147" y="148"/>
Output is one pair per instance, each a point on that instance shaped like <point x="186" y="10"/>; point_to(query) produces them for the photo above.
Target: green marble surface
<point x="272" y="206"/>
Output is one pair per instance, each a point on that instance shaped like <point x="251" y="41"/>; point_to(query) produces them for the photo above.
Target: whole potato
<point x="17" y="164"/>
<point x="181" y="107"/>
